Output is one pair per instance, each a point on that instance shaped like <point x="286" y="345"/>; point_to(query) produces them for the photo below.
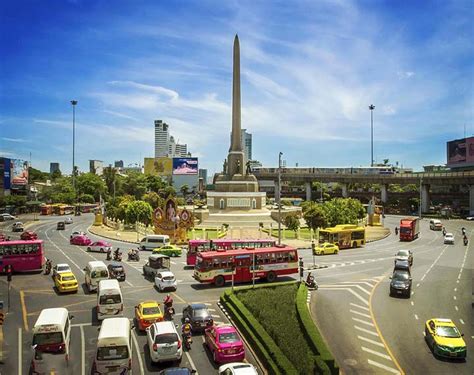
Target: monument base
<point x="235" y="200"/>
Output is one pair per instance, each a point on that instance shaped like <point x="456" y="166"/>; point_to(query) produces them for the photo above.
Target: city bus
<point x="22" y="256"/>
<point x="343" y="235"/>
<point x="245" y="264"/>
<point x="196" y="246"/>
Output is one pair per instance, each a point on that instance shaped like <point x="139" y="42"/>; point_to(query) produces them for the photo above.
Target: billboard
<point x="186" y="166"/>
<point x="158" y="166"/>
<point x="19" y="173"/>
<point x="460" y="152"/>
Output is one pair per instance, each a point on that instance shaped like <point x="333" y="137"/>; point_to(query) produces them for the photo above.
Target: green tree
<point x="184" y="190"/>
<point x="138" y="210"/>
<point x="90" y="183"/>
<point x="155" y="183"/>
<point x="344" y="211"/>
<point x="109" y="176"/>
<point x="153" y="199"/>
<point x="292" y="222"/>
<point x="122" y="204"/>
<point x="168" y="191"/>
<point x="37" y="175"/>
<point x="86" y="198"/>
<point x="315" y="216"/>
<point x="135" y="185"/>
<point x="55" y="175"/>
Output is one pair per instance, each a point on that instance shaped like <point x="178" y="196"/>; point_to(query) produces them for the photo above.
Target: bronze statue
<point x="225" y="166"/>
<point x="249" y="170"/>
<point x="238" y="166"/>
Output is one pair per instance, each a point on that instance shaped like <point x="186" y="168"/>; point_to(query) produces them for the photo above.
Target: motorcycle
<point x="169" y="312"/>
<point x="118" y="257"/>
<point x="133" y="256"/>
<point x="396" y="231"/>
<point x="48" y="266"/>
<point x="188" y="340"/>
<point x="312" y="284"/>
<point x="465" y="241"/>
<point x="109" y="255"/>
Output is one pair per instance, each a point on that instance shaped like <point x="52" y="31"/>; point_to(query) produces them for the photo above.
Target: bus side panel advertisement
<point x="19" y="172"/>
<point x="460" y="152"/>
<point x="185" y="166"/>
<point x="159" y="166"/>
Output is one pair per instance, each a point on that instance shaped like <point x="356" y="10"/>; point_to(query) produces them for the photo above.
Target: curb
<point x="261" y="368"/>
<point x="109" y="237"/>
<point x="381" y="238"/>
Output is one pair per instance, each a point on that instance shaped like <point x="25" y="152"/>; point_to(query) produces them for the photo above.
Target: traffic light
<point x="9" y="272"/>
<point x="301" y="267"/>
<point x="313" y="246"/>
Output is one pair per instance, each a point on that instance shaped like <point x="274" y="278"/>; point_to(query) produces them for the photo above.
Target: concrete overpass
<point x="426" y="180"/>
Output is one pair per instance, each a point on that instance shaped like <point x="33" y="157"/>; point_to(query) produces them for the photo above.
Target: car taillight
<point x="179" y="344"/>
<point x="155" y="347"/>
<point x="129" y="363"/>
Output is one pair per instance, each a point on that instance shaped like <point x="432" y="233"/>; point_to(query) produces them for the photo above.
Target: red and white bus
<point x="196" y="246"/>
<point x="245" y="264"/>
<point x="22" y="256"/>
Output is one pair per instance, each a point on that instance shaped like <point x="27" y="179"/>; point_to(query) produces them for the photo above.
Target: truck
<point x="156" y="263"/>
<point x="409" y="228"/>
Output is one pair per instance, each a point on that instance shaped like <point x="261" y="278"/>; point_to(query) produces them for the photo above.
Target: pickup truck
<point x="156" y="263"/>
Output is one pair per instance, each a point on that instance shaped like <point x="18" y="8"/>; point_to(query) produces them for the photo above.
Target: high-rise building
<point x="118" y="164"/>
<point x="162" y="136"/>
<point x="96" y="167"/>
<point x="246" y="141"/>
<point x="203" y="175"/>
<point x="53" y="167"/>
<point x="181" y="150"/>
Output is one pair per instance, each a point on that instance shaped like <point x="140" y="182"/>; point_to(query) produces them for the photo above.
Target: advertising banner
<point x="6" y="174"/>
<point x="461" y="152"/>
<point x="159" y="166"/>
<point x="187" y="166"/>
<point x="19" y="173"/>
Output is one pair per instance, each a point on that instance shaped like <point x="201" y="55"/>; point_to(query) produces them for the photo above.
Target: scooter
<point x="465" y="241"/>
<point x="118" y="257"/>
<point x="188" y="340"/>
<point x="312" y="284"/>
<point x="169" y="312"/>
<point x="47" y="269"/>
<point x="135" y="256"/>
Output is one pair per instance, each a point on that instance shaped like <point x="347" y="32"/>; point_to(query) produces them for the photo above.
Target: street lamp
<point x="371" y="107"/>
<point x="279" y="197"/>
<point x="74" y="103"/>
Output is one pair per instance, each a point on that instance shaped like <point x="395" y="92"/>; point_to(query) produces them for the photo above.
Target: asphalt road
<point x="370" y="332"/>
<point x="30" y="293"/>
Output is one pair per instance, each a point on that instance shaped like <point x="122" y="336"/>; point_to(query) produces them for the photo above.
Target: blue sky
<point x="309" y="71"/>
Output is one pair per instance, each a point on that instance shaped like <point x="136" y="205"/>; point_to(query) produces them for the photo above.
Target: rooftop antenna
<point x="464" y="130"/>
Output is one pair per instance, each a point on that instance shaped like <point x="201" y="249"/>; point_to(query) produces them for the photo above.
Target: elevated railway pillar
<point x="384" y="193"/>
<point x="425" y="198"/>
<point x="308" y="186"/>
<point x="471" y="199"/>
<point x="345" y="192"/>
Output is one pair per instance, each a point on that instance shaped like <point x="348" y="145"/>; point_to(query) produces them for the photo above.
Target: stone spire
<point x="236" y="143"/>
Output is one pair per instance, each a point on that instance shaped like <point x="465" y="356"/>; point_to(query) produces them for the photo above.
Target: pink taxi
<point x="225" y="344"/>
<point x="80" y="240"/>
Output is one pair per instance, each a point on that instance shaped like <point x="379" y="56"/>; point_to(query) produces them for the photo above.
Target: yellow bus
<point x="343" y="235"/>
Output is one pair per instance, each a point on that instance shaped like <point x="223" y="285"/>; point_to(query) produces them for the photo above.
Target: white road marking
<point x="190" y="360"/>
<point x="139" y="354"/>
<point x="454" y="297"/>
<point x="359" y="306"/>
<point x="350" y="291"/>
<point x="387" y="368"/>
<point x="361" y="314"/>
<point x="462" y="321"/>
<point x="412" y="292"/>
<point x="20" y="352"/>
<point x="455" y="289"/>
<point x="371" y="341"/>
<point x="367" y="331"/>
<point x="456" y="308"/>
<point x="412" y="303"/>
<point x="363" y="322"/>
<point x="83" y="352"/>
<point x="457" y="281"/>
<point x="358" y="282"/>
<point x="417" y="285"/>
<point x="416" y="317"/>
<point x="57" y="247"/>
<point x="376" y="353"/>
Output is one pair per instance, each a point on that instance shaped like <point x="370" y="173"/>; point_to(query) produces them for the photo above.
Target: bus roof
<point x="114" y="327"/>
<point x="341" y="227"/>
<point x="228" y="240"/>
<point x="57" y="315"/>
<point x="214" y="254"/>
<point x="20" y="242"/>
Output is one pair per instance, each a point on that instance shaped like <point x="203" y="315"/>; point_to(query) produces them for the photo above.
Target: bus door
<point x="243" y="263"/>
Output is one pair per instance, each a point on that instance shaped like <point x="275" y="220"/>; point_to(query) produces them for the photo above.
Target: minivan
<point x="114" y="349"/>
<point x="109" y="299"/>
<point x="435" y="224"/>
<point x="51" y="338"/>
<point x="94" y="272"/>
<point x="154" y="241"/>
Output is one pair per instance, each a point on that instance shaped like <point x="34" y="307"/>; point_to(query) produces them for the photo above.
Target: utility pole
<point x="371" y="107"/>
<point x="74" y="103"/>
<point x="421" y="196"/>
<point x="279" y="197"/>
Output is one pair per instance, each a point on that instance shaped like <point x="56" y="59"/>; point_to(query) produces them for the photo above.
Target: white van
<point x="51" y="337"/>
<point x="435" y="224"/>
<point x="109" y="299"/>
<point x="94" y="272"/>
<point x="114" y="349"/>
<point x="154" y="241"/>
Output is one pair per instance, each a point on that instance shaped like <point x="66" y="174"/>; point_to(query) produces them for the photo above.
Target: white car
<point x="60" y="268"/>
<point x="75" y="234"/>
<point x="238" y="368"/>
<point x="164" y="342"/>
<point x="6" y="217"/>
<point x="68" y="220"/>
<point x="100" y="246"/>
<point x="449" y="238"/>
<point x="165" y="280"/>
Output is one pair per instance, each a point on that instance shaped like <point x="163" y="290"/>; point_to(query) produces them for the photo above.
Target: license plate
<point x="167" y="348"/>
<point x="453" y="354"/>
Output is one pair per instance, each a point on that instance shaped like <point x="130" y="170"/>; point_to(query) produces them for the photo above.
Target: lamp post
<point x="371" y="107"/>
<point x="421" y="196"/>
<point x="74" y="103"/>
<point x="279" y="197"/>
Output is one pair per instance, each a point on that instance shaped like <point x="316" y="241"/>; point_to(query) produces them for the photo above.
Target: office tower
<point x="162" y="136"/>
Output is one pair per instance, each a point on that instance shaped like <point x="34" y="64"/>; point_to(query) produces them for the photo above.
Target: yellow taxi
<point x="444" y="338"/>
<point x="65" y="282"/>
<point x="326" y="248"/>
<point x="147" y="313"/>
<point x="169" y="250"/>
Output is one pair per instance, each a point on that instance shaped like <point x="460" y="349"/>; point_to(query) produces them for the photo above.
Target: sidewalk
<point x="113" y="234"/>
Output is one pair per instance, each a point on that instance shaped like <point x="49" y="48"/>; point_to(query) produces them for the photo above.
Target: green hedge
<point x="269" y="352"/>
<point x="324" y="361"/>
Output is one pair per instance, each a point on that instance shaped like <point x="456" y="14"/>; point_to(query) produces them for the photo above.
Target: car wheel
<point x="143" y="248"/>
<point x="336" y="251"/>
<point x="101" y="250"/>
<point x="88" y="248"/>
<point x="322" y="253"/>
<point x="271" y="277"/>
<point x="354" y="244"/>
<point x="219" y="281"/>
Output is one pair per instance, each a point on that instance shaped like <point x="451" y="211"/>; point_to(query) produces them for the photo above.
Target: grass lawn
<point x="211" y="234"/>
<point x="291" y="235"/>
<point x="275" y="309"/>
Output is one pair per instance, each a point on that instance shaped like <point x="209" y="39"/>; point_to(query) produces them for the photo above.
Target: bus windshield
<point x="48" y="338"/>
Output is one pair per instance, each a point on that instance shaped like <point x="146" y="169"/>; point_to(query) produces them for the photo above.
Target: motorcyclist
<point x="109" y="254"/>
<point x="168" y="301"/>
<point x="169" y="312"/>
<point x="48" y="266"/>
<point x="465" y="240"/>
<point x="310" y="280"/>
<point x="463" y="230"/>
<point x="186" y="328"/>
<point x="396" y="231"/>
<point x="444" y="231"/>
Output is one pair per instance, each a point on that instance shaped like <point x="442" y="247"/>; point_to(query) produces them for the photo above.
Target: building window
<point x="210" y="202"/>
<point x="221" y="204"/>
<point x="254" y="203"/>
<point x="238" y="202"/>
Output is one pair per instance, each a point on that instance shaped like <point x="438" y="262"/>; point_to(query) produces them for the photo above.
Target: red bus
<point x="245" y="264"/>
<point x="22" y="255"/>
<point x="196" y="246"/>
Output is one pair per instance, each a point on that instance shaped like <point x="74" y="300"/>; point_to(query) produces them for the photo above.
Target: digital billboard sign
<point x="460" y="152"/>
<point x="185" y="166"/>
<point x="19" y="173"/>
<point x="158" y="166"/>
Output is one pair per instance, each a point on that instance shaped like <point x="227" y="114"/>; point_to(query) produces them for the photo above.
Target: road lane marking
<point x="380" y="333"/>
<point x="178" y="297"/>
<point x="190" y="360"/>
<point x="20" y="352"/>
<point x="358" y="282"/>
<point x="359" y="306"/>
<point x="348" y="290"/>
<point x="23" y="310"/>
<point x="456" y="308"/>
<point x="359" y="313"/>
<point x="454" y="297"/>
<point x="455" y="289"/>
<point x="363" y="322"/>
<point x="374" y="352"/>
<point x="371" y="341"/>
<point x="387" y="368"/>
<point x="83" y="352"/>
<point x="57" y="247"/>
<point x="412" y="303"/>
<point x="416" y="317"/>
<point x="367" y="331"/>
<point x="462" y="321"/>
<point x="139" y="354"/>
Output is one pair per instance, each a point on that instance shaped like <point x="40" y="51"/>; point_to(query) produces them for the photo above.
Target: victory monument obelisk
<point x="236" y="188"/>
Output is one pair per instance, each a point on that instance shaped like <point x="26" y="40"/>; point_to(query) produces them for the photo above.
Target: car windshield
<point x="166" y="338"/>
<point x="50" y="338"/>
<point x="110" y="299"/>
<point x="445" y="331"/>
<point x="403" y="253"/>
<point x="168" y="278"/>
<point x="228" y="337"/>
<point x="68" y="278"/>
<point x="118" y="269"/>
<point x="63" y="268"/>
<point x="112" y="352"/>
<point x="200" y="313"/>
<point x="151" y="310"/>
<point x="401" y="276"/>
<point x="100" y="273"/>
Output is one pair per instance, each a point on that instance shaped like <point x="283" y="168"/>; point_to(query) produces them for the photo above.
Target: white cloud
<point x="15" y="140"/>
